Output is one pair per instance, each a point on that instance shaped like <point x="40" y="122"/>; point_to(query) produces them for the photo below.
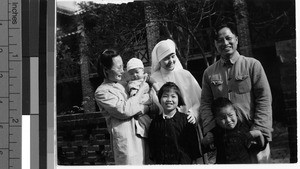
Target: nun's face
<point x="168" y="62"/>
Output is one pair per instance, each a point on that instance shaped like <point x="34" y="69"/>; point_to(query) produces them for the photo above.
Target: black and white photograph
<point x="164" y="82"/>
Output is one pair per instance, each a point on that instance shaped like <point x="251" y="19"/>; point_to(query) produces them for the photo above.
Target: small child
<point x="135" y="69"/>
<point x="172" y="139"/>
<point x="234" y="141"/>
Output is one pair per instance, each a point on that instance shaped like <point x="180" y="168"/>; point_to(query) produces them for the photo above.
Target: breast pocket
<point x="242" y="84"/>
<point x="216" y="84"/>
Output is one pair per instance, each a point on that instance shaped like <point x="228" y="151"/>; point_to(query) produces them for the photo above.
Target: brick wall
<point x="83" y="139"/>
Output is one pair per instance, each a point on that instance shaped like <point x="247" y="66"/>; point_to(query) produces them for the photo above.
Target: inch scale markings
<point x="10" y="84"/>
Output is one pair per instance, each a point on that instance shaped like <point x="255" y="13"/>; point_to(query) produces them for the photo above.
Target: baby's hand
<point x="146" y="77"/>
<point x="133" y="92"/>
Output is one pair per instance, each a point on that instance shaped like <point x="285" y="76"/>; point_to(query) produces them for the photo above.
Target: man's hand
<point x="256" y="138"/>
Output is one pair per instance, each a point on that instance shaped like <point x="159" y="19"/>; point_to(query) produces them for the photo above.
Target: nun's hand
<point x="191" y="118"/>
<point x="150" y="80"/>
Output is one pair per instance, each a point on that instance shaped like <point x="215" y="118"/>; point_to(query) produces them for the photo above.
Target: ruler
<point x="10" y="84"/>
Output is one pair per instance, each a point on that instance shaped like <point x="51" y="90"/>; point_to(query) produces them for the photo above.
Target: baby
<point x="135" y="70"/>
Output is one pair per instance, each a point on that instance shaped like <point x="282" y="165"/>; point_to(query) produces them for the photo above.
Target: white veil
<point x="157" y="55"/>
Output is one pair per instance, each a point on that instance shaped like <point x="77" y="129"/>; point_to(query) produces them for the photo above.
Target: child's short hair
<point x="222" y="102"/>
<point x="171" y="86"/>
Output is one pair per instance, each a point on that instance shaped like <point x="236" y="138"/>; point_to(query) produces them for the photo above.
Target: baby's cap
<point x="134" y="63"/>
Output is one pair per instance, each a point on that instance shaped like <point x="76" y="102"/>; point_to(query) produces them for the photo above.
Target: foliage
<point x="67" y="61"/>
<point x="187" y="23"/>
<point x="272" y="20"/>
<point x="111" y="25"/>
<point x="123" y="26"/>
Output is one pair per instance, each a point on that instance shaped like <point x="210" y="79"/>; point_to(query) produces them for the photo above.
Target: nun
<point x="166" y="67"/>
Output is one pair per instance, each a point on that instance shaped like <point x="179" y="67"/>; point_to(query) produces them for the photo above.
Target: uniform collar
<point x="231" y="61"/>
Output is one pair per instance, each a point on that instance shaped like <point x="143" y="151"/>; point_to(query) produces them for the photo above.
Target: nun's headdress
<point x="160" y="51"/>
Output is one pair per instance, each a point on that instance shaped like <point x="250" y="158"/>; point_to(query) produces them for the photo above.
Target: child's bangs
<point x="170" y="89"/>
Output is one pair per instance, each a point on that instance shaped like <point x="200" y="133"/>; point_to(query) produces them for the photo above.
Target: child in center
<point x="234" y="141"/>
<point x="172" y="139"/>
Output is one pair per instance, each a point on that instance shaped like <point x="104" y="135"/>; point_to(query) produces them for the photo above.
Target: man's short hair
<point x="230" y="25"/>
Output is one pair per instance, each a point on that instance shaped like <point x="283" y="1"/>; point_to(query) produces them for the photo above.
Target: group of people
<point x="166" y="118"/>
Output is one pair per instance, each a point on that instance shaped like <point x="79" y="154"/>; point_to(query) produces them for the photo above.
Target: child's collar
<point x="167" y="116"/>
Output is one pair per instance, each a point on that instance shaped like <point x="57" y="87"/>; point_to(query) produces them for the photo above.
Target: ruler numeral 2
<point x="15" y="120"/>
